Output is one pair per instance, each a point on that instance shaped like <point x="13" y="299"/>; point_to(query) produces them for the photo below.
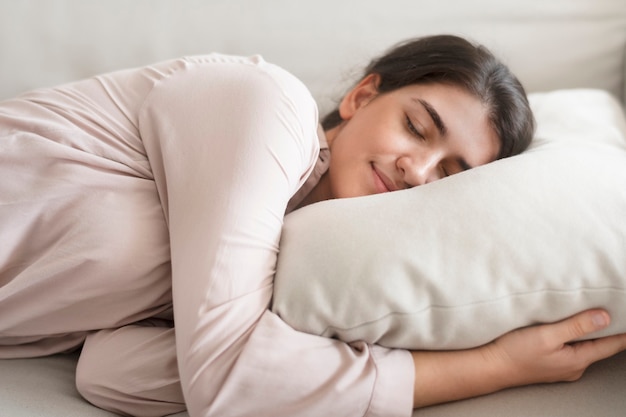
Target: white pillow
<point x="458" y="262"/>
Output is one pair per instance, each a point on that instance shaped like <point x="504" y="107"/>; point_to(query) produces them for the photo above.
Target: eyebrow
<point x="441" y="127"/>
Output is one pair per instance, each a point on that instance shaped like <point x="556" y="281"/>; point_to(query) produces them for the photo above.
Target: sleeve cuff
<point x="393" y="391"/>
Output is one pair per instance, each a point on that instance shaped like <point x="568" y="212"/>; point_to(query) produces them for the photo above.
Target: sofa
<point x="550" y="45"/>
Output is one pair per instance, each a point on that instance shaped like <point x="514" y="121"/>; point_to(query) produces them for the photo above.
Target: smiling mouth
<point x="383" y="184"/>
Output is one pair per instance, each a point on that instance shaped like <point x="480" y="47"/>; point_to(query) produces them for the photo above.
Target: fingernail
<point x="599" y="320"/>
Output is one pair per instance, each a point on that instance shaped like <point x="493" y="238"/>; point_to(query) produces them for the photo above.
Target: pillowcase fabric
<point x="456" y="263"/>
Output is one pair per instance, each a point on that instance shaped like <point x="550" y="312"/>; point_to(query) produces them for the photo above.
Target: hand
<point x="547" y="353"/>
<point x="537" y="354"/>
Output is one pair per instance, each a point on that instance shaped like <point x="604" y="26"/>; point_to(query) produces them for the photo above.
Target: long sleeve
<point x="229" y="142"/>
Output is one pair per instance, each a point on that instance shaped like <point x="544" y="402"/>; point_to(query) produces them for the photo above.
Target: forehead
<point x="466" y="118"/>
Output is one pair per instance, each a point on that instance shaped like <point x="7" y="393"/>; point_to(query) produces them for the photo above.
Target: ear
<point x="359" y="96"/>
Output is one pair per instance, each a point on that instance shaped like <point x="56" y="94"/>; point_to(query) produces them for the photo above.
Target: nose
<point x="420" y="168"/>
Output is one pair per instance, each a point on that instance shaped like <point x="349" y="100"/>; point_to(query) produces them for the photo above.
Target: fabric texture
<point x="132" y="194"/>
<point x="459" y="262"/>
<point x="599" y="392"/>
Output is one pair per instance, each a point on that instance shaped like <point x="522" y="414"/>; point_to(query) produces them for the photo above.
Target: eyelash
<point x="413" y="130"/>
<point x="416" y="132"/>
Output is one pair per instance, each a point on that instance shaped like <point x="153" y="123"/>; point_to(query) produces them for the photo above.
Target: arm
<point x="227" y="153"/>
<point x="229" y="142"/>
<point x="536" y="354"/>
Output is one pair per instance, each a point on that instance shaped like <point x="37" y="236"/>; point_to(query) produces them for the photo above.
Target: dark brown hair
<point x="453" y="60"/>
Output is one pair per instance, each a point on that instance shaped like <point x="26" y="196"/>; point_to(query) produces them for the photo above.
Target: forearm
<point x="537" y="354"/>
<point x="226" y="163"/>
<point x="445" y="376"/>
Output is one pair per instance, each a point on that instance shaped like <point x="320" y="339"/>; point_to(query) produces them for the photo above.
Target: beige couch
<point x="551" y="45"/>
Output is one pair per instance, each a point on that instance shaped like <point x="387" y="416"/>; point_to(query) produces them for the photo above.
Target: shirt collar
<point x="320" y="168"/>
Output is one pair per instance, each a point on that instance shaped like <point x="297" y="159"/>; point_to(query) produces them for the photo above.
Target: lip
<point x="382" y="182"/>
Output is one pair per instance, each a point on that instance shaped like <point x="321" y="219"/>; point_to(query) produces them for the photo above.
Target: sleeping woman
<point x="152" y="196"/>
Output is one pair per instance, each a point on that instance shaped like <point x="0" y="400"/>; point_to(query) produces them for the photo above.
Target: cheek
<point x="487" y="149"/>
<point x="345" y="179"/>
<point x="338" y="176"/>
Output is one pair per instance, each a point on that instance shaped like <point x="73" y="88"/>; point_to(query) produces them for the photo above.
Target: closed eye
<point x="412" y="129"/>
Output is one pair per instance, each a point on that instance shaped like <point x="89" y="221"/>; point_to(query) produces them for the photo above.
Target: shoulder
<point x="239" y="86"/>
<point x="252" y="74"/>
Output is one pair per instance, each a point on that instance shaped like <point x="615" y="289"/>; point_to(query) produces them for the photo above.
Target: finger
<point x="595" y="350"/>
<point x="579" y="325"/>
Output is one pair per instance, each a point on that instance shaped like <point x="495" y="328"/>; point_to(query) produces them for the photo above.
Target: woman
<point x="134" y="192"/>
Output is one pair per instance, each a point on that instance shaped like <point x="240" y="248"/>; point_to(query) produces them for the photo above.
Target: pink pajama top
<point x="132" y="192"/>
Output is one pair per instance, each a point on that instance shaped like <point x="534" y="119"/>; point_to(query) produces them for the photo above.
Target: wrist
<point x="497" y="367"/>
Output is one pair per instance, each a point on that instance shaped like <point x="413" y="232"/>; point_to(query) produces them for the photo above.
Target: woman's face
<point x="405" y="138"/>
